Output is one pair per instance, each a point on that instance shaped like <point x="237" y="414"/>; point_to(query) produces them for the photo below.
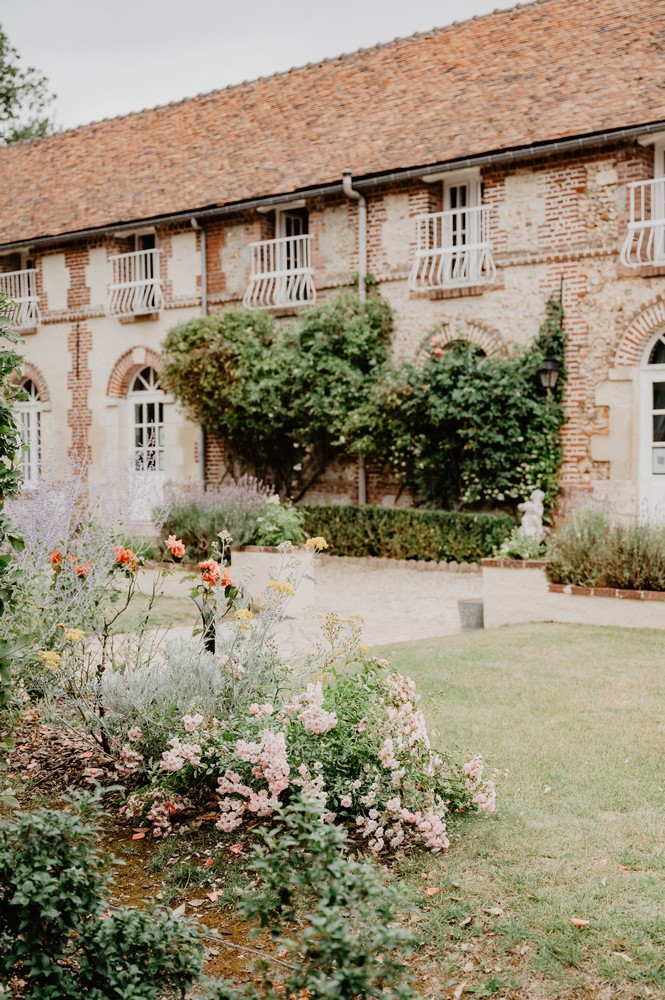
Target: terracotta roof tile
<point x="543" y="71"/>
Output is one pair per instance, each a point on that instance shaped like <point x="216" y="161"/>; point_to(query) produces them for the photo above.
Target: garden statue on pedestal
<point x="532" y="517"/>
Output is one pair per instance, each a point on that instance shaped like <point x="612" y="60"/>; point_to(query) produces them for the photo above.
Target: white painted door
<point x="146" y="401"/>
<point x="652" y="433"/>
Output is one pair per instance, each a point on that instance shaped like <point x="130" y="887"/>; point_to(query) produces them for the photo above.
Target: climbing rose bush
<point x="355" y="743"/>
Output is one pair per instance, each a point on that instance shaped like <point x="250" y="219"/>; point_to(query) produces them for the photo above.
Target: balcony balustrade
<point x="136" y="288"/>
<point x="453" y="250"/>
<point x="645" y="239"/>
<point x="21" y="288"/>
<point x="281" y="273"/>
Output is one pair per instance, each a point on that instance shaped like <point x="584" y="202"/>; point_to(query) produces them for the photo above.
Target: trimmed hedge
<point x="401" y="533"/>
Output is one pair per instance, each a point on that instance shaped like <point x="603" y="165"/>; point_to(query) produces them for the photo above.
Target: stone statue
<point x="532" y="516"/>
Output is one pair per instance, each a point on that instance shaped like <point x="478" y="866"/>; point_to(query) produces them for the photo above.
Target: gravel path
<point x="398" y="601"/>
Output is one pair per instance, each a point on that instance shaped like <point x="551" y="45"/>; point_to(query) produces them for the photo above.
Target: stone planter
<point x="516" y="591"/>
<point x="257" y="565"/>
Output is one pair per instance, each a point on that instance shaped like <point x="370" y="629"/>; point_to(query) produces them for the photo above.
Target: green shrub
<point x="250" y="512"/>
<point x="305" y="891"/>
<point x="282" y="399"/>
<point x="399" y="533"/>
<point x="56" y="928"/>
<point x="590" y="550"/>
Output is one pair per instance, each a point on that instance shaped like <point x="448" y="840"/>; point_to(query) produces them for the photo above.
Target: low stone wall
<point x="516" y="591"/>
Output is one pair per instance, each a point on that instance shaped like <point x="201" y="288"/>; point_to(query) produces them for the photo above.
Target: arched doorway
<point x="652" y="430"/>
<point x="29" y="419"/>
<point x="146" y="406"/>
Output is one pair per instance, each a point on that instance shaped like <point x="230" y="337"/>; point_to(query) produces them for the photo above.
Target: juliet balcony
<point x="21" y="288"/>
<point x="281" y="273"/>
<point x="453" y="250"/>
<point x="136" y="289"/>
<point x="645" y="240"/>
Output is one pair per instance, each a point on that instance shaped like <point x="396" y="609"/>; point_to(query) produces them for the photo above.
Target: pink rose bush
<point x="356" y="745"/>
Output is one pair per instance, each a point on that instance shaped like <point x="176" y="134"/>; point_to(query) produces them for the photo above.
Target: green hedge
<point x="400" y="533"/>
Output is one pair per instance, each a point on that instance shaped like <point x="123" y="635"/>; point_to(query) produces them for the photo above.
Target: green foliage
<point x="401" y="533"/>
<point x="248" y="511"/>
<point x="56" y="929"/>
<point x="24" y="98"/>
<point x="10" y="477"/>
<point x="591" y="550"/>
<point x="280" y="522"/>
<point x="460" y="429"/>
<point x="283" y="400"/>
<point x="331" y="918"/>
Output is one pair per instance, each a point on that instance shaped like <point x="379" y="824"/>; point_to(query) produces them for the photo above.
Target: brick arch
<point x="33" y="373"/>
<point x="642" y="329"/>
<point x="135" y="357"/>
<point x="472" y="331"/>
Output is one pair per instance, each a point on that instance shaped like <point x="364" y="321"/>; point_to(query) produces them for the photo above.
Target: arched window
<point x="655" y="405"/>
<point x="29" y="413"/>
<point x="147" y="401"/>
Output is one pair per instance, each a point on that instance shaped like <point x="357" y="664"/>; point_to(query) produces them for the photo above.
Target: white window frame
<point x="30" y="426"/>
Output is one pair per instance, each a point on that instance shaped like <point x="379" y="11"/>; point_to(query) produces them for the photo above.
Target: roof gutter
<point x="376" y="180"/>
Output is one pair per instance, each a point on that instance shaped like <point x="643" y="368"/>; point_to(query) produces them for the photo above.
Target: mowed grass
<point x="576" y="716"/>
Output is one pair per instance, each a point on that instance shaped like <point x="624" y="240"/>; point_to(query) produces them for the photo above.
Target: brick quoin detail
<point x="214" y="464"/>
<point x="641" y="331"/>
<point x="79" y="381"/>
<point x="135" y="357"/>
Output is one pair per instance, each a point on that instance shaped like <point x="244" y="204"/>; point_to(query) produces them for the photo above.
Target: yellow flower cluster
<point x="243" y="616"/>
<point x="74" y="635"/>
<point x="50" y="660"/>
<point x="317" y="542"/>
<point x="282" y="587"/>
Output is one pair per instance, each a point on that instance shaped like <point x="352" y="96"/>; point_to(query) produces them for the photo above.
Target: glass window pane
<point x="658" y="461"/>
<point x="659" y="395"/>
<point x="150" y="408"/>
<point x="659" y="427"/>
<point x="161" y="461"/>
<point x="657" y="356"/>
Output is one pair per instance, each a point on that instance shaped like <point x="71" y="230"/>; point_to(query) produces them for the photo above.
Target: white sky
<point x="108" y="58"/>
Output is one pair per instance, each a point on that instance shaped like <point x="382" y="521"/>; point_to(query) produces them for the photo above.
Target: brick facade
<point x="558" y="216"/>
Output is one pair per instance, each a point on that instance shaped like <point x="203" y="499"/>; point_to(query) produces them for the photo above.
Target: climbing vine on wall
<point x="461" y="430"/>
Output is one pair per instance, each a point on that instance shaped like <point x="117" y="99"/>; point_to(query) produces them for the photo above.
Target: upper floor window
<point x="18" y="282"/>
<point x="453" y="247"/>
<point x="281" y="271"/>
<point x="136" y="288"/>
<point x="29" y="413"/>
<point x="645" y="240"/>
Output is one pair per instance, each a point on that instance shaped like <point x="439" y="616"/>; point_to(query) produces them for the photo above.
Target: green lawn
<point x="576" y="716"/>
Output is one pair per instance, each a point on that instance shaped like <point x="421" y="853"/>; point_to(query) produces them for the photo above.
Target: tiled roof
<point x="543" y="71"/>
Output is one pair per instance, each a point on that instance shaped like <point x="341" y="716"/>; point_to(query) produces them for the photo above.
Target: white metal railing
<point x="453" y="249"/>
<point x="645" y="239"/>
<point x="281" y="273"/>
<point x="136" y="287"/>
<point x="21" y="288"/>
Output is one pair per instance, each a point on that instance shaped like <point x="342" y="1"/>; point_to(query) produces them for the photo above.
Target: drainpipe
<point x="347" y="187"/>
<point x="204" y="265"/>
<point x="204" y="312"/>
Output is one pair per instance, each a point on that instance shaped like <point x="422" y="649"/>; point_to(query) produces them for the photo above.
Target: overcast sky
<point x="107" y="58"/>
